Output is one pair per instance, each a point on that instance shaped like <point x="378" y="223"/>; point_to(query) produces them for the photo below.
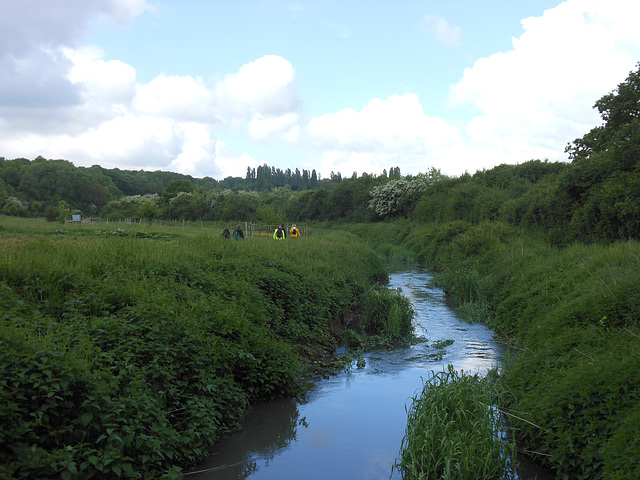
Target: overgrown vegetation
<point x="454" y="430"/>
<point x="385" y="320"/>
<point x="571" y="318"/>
<point x="124" y="356"/>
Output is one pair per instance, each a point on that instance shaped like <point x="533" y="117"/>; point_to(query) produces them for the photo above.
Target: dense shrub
<point x="128" y="355"/>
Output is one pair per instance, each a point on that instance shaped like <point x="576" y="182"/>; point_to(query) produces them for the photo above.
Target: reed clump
<point x="454" y="431"/>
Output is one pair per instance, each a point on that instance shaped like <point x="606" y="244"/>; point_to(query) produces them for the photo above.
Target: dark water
<point x="351" y="425"/>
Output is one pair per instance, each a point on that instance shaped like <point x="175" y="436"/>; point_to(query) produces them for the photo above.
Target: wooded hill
<point x="595" y="197"/>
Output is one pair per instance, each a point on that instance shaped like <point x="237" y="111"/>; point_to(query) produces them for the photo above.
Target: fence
<point x="265" y="230"/>
<point x="250" y="229"/>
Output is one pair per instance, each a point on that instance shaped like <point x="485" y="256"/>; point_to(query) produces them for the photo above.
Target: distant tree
<point x="176" y="186"/>
<point x="620" y="111"/>
<point x="35" y="209"/>
<point x="240" y="206"/>
<point x="63" y="211"/>
<point x="602" y="189"/>
<point x="51" y="214"/>
<point x="270" y="216"/>
<point x="149" y="210"/>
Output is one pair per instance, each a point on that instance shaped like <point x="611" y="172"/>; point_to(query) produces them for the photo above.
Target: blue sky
<point x="209" y="88"/>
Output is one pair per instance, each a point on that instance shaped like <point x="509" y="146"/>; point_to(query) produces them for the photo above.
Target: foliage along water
<point x="351" y="425"/>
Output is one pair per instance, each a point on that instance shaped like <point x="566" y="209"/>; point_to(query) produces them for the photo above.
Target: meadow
<point x="127" y="351"/>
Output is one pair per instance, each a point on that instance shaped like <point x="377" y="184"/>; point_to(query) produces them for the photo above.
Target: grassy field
<point x="129" y="351"/>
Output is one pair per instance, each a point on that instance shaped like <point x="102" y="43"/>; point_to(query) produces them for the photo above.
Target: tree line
<point x="594" y="197"/>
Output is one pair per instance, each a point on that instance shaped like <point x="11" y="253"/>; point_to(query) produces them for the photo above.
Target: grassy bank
<point x="127" y="352"/>
<point x="572" y="318"/>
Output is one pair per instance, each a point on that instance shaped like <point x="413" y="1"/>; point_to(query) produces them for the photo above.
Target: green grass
<point x="571" y="317"/>
<point x="454" y="431"/>
<point x="129" y="352"/>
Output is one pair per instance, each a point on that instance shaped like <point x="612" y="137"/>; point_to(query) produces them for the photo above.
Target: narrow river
<point x="351" y="425"/>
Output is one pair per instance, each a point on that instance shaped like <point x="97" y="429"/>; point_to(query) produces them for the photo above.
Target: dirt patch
<point x="11" y="242"/>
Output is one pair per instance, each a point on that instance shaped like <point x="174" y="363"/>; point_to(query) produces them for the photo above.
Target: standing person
<point x="238" y="234"/>
<point x="280" y="233"/>
<point x="295" y="233"/>
<point x="225" y="233"/>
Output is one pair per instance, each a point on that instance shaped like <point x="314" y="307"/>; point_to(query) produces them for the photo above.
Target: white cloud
<point x="381" y="133"/>
<point x="127" y="141"/>
<point x="177" y="97"/>
<point x="197" y="157"/>
<point x="537" y="97"/>
<point x="123" y="12"/>
<point x="33" y="36"/>
<point x="394" y="125"/>
<point x="266" y="86"/>
<point x="107" y="87"/>
<point x="233" y="165"/>
<point x="286" y="128"/>
<point x="441" y="30"/>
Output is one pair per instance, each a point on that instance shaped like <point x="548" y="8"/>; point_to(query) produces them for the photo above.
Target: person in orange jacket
<point x="294" y="232"/>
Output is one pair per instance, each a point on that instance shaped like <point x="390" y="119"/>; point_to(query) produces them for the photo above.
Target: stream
<point x="351" y="425"/>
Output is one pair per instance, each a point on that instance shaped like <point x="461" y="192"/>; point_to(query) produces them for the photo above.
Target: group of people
<point x="238" y="234"/>
<point x="280" y="233"/>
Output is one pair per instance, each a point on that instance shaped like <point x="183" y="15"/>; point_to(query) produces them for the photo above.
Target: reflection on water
<point x="351" y="425"/>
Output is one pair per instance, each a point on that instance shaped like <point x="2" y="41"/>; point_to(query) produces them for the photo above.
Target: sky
<point x="211" y="87"/>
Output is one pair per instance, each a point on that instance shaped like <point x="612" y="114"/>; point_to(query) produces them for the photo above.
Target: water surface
<point x="351" y="425"/>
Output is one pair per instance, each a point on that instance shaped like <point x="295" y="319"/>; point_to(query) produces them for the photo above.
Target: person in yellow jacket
<point x="280" y="233"/>
<point x="294" y="232"/>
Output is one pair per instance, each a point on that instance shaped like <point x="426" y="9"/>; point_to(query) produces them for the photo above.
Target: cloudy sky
<point x="209" y="88"/>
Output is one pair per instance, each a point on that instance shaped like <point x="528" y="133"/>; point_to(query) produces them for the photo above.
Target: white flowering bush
<point x="395" y="197"/>
<point x="216" y="196"/>
<point x="179" y="198"/>
<point x="138" y="199"/>
<point x="248" y="193"/>
<point x="281" y="190"/>
<point x="13" y="206"/>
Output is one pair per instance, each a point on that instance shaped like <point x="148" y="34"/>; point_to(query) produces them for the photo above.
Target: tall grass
<point x="454" y="431"/>
<point x="129" y="352"/>
<point x="571" y="316"/>
<point x="387" y="313"/>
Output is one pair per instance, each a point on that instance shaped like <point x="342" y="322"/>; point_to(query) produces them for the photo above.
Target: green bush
<point x="130" y="354"/>
<point x="387" y="313"/>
